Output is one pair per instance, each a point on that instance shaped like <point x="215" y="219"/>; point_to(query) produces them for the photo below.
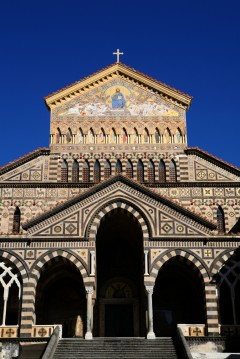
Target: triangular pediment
<point x="28" y="168"/>
<point x="209" y="168"/>
<point x="134" y="86"/>
<point x="164" y="217"/>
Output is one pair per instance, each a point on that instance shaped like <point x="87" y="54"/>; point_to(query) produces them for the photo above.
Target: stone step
<point x="116" y="348"/>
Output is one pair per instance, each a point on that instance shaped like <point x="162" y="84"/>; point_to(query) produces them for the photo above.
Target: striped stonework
<point x="29" y="287"/>
<point x="17" y="262"/>
<point x="212" y="322"/>
<point x="220" y="260"/>
<point x="96" y="220"/>
<point x="187" y="255"/>
<point x="51" y="256"/>
<point x="211" y="300"/>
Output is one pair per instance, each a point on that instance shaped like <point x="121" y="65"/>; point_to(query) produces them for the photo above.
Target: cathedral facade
<point x="119" y="229"/>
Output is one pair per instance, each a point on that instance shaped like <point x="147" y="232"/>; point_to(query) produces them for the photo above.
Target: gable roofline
<point x="130" y="182"/>
<point x="117" y="67"/>
<point x="23" y="159"/>
<point x="213" y="159"/>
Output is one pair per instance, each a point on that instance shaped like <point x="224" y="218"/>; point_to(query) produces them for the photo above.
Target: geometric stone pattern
<point x="175" y="217"/>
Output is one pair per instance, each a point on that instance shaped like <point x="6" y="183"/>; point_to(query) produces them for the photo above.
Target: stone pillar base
<point x="88" y="336"/>
<point x="151" y="335"/>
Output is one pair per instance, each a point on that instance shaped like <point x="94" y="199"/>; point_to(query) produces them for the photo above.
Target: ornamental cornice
<point x="88" y="185"/>
<point x="128" y="187"/>
<point x="128" y="74"/>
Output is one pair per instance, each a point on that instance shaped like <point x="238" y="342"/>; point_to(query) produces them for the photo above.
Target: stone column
<point x="89" y="291"/>
<point x="212" y="316"/>
<point x="28" y="307"/>
<point x="150" y="334"/>
<point x="92" y="262"/>
<point x="5" y="299"/>
<point x="146" y="262"/>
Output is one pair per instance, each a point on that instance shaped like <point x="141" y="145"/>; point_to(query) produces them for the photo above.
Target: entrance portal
<point x="119" y="320"/>
<point x="178" y="296"/>
<point x="61" y="298"/>
<point x="120" y="294"/>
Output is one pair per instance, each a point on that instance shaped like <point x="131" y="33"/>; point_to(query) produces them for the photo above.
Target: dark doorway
<point x="178" y="296"/>
<point x="120" y="286"/>
<point x="61" y="298"/>
<point x="119" y="320"/>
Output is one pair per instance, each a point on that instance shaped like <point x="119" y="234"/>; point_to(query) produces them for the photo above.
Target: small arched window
<point x="118" y="167"/>
<point x="135" y="136"/>
<point x="86" y="171"/>
<point x="162" y="171"/>
<point x="157" y="135"/>
<point x="64" y="171"/>
<point x="80" y="136"/>
<point x="145" y="136"/>
<point x="124" y="136"/>
<point x="140" y="171"/>
<point x="220" y="220"/>
<point x="151" y="172"/>
<point x="129" y="169"/>
<point x="69" y="136"/>
<point x="172" y="171"/>
<point x="96" y="172"/>
<point x="75" y="171"/>
<point x="58" y="136"/>
<point x="107" y="169"/>
<point x="16" y="220"/>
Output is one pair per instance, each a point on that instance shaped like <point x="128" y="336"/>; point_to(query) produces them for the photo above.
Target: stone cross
<point x="118" y="53"/>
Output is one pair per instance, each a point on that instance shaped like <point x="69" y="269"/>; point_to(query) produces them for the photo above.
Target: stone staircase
<point x="116" y="348"/>
<point x="32" y="351"/>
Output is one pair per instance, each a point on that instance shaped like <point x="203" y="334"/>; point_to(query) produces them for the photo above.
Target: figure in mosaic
<point x="118" y="99"/>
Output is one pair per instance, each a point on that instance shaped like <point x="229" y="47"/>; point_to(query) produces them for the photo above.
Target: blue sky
<point x="193" y="46"/>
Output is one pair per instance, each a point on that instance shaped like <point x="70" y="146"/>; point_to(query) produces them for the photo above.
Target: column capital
<point x="89" y="289"/>
<point x="149" y="289"/>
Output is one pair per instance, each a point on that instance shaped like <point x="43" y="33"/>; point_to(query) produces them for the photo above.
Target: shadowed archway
<point x="178" y="296"/>
<point x="61" y="298"/>
<point x="120" y="290"/>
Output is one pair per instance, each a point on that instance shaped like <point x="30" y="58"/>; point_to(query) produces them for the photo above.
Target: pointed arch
<point x="178" y="136"/>
<point x="113" y="136"/>
<point x="91" y="136"/>
<point x="192" y="257"/>
<point x="151" y="171"/>
<point x="140" y="171"/>
<point x="146" y="135"/>
<point x="16" y="220"/>
<point x="162" y="171"/>
<point x="167" y="136"/>
<point x="75" y="171"/>
<point x="86" y="171"/>
<point x="80" y="136"/>
<point x="11" y="290"/>
<point x="94" y="223"/>
<point x="174" y="291"/>
<point x="64" y="171"/>
<point x="96" y="172"/>
<point x="172" y="171"/>
<point x="118" y="167"/>
<point x="135" y="136"/>
<point x="157" y="135"/>
<point x="220" y="220"/>
<point x="228" y="283"/>
<point x="107" y="169"/>
<point x="58" y="136"/>
<point x="129" y="169"/>
<point x="69" y="135"/>
<point x="101" y="136"/>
